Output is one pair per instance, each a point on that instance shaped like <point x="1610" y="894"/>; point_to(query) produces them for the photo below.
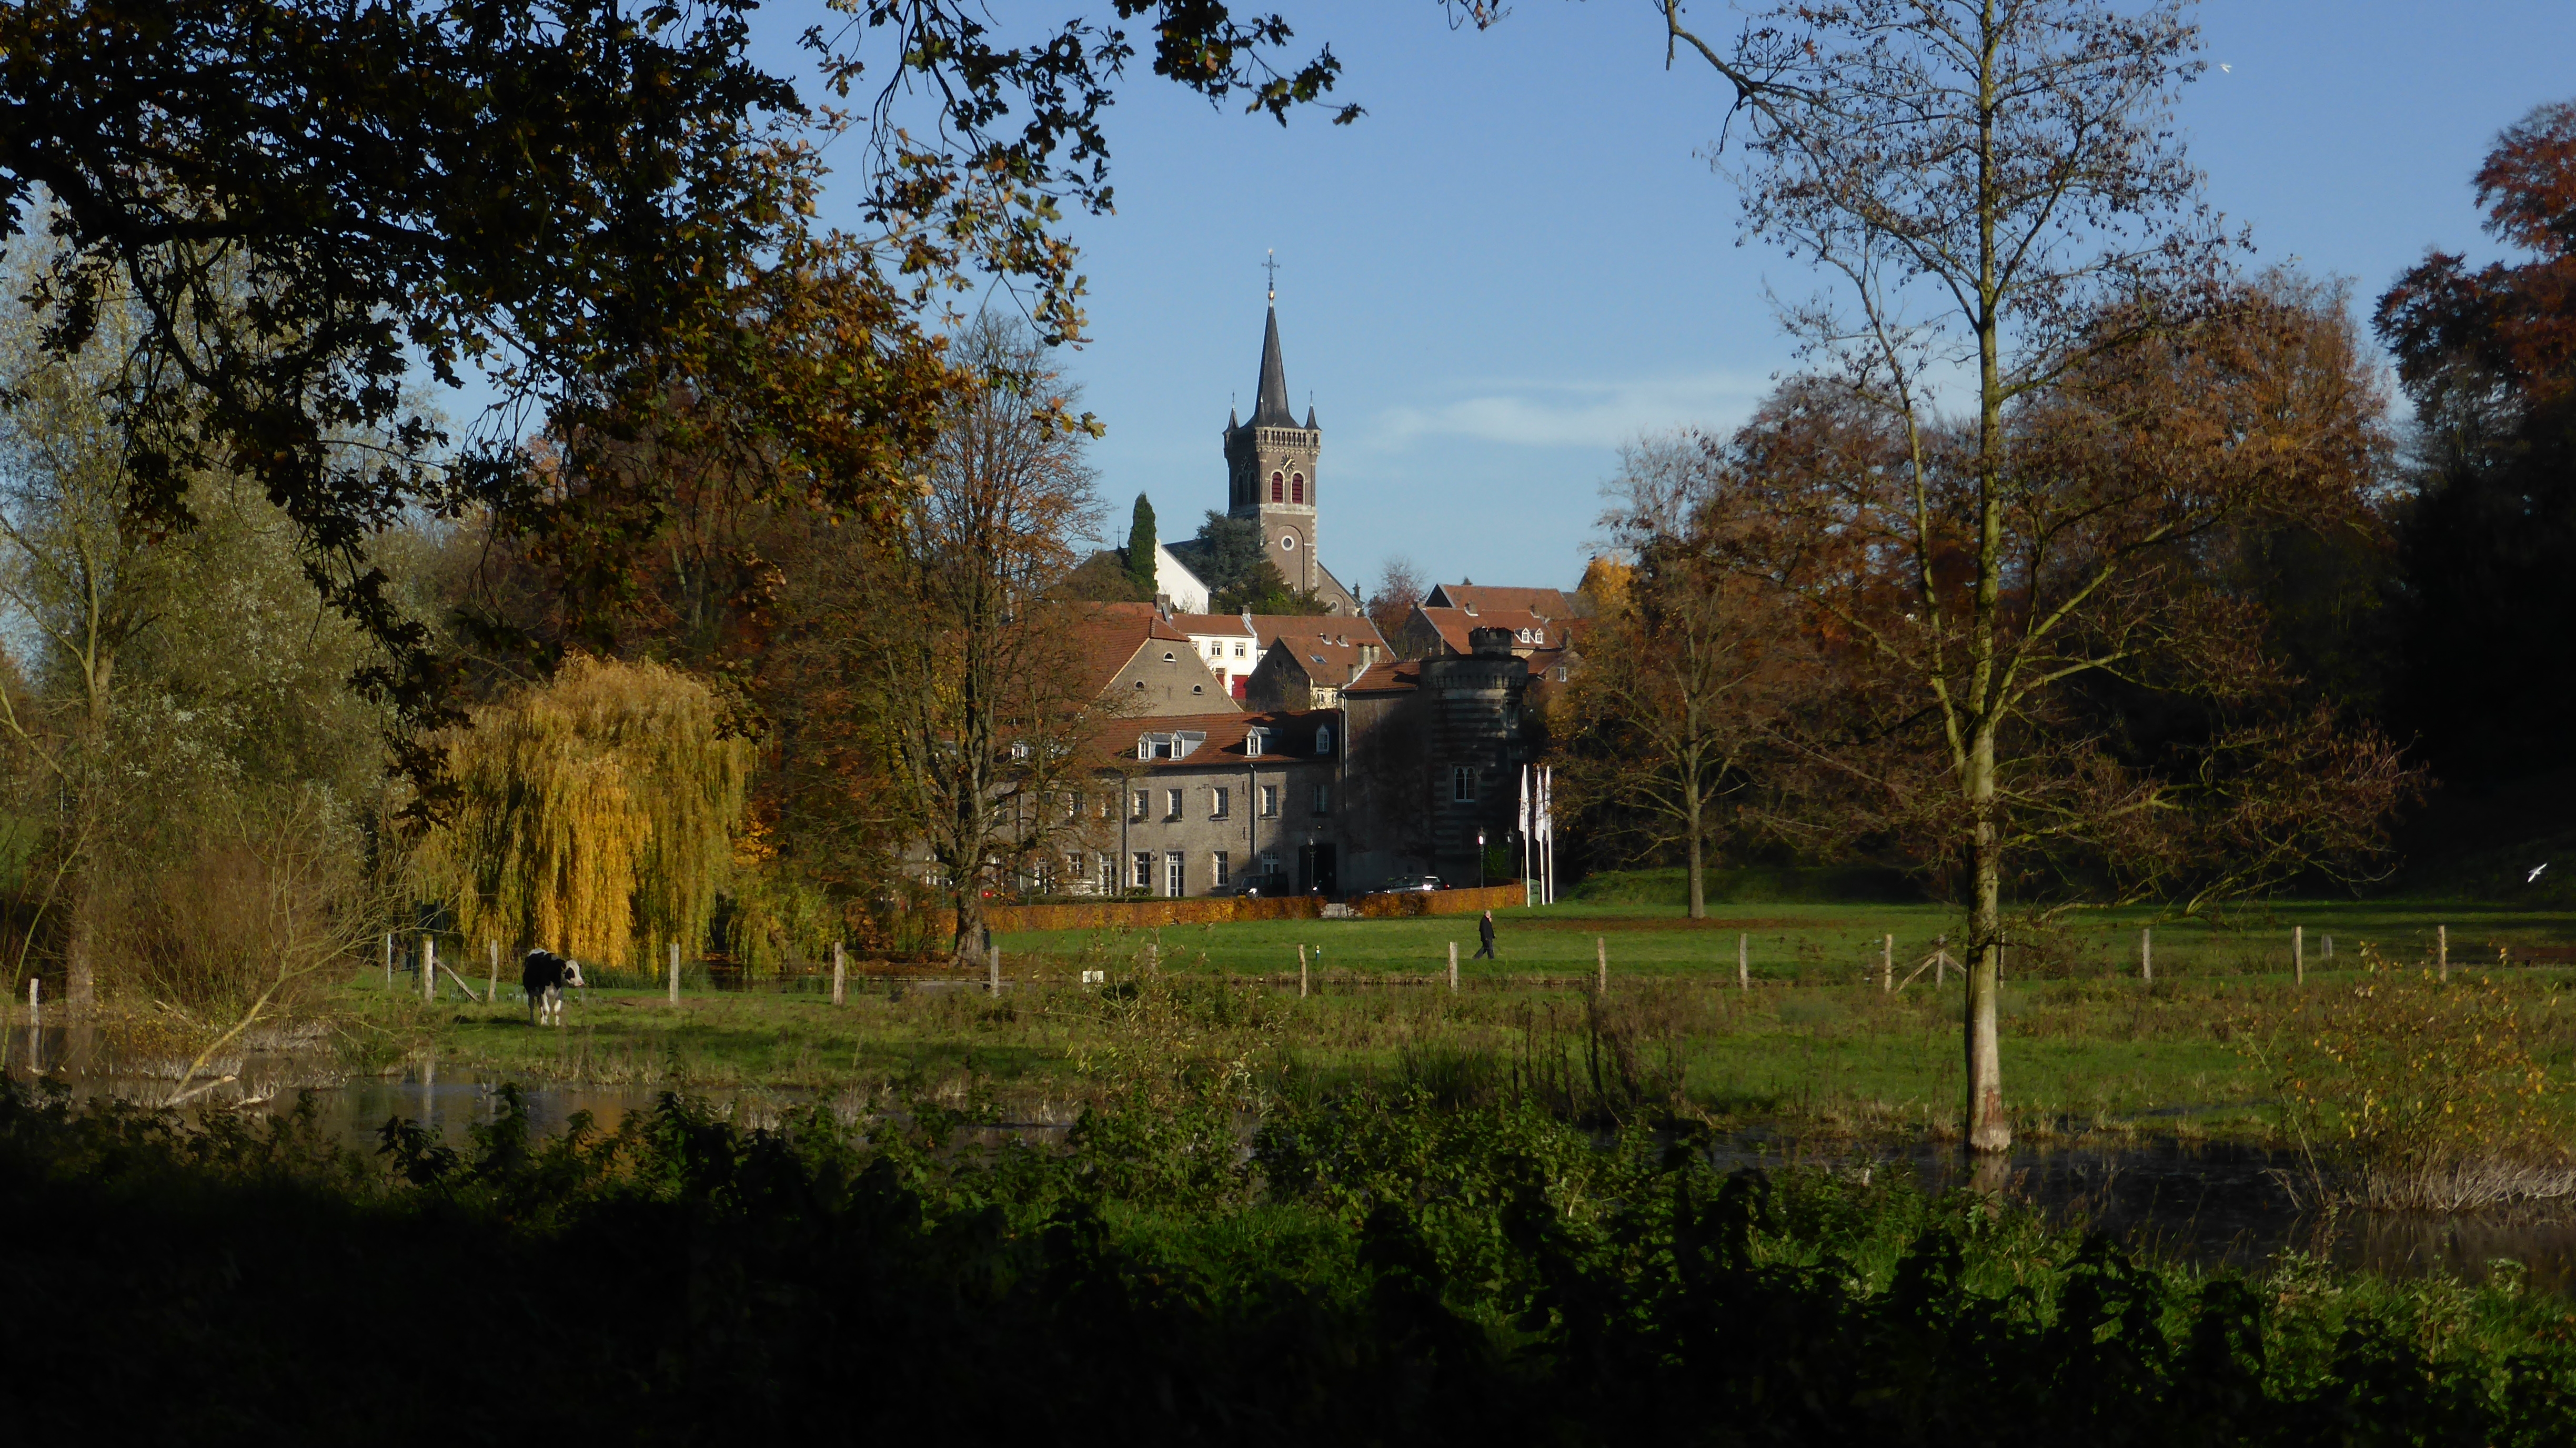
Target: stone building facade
<point x="1221" y="803"/>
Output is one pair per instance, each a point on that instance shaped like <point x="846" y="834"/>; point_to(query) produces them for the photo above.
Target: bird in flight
<point x="2535" y="872"/>
<point x="2224" y="69"/>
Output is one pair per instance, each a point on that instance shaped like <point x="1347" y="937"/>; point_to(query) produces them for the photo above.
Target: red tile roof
<point x="1331" y="628"/>
<point x="1387" y="676"/>
<point x="1529" y="630"/>
<point x="1546" y="602"/>
<point x="1109" y="634"/>
<point x="1290" y="737"/>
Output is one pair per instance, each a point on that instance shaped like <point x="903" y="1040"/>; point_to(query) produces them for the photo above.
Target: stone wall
<point x="1148" y="914"/>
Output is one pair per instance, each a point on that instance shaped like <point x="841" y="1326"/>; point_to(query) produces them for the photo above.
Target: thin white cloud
<point x="1574" y="414"/>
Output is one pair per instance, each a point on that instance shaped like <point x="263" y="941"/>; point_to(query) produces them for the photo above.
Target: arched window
<point x="1297" y="488"/>
<point x="1275" y="488"/>
<point x="1324" y="740"/>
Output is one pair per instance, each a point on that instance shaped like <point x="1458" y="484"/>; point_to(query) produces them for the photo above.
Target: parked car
<point x="1410" y="884"/>
<point x="1253" y="885"/>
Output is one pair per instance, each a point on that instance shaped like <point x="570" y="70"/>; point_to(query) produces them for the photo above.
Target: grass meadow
<point x="1814" y="1044"/>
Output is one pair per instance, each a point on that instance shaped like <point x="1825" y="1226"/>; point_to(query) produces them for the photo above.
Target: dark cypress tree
<point x="1140" y="548"/>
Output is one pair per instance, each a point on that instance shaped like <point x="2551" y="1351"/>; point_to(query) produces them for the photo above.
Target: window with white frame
<point x="1138" y="806"/>
<point x="1270" y="862"/>
<point x="1143" y="878"/>
<point x="1462" y="783"/>
<point x="1175" y="874"/>
<point x="1324" y="740"/>
<point x="1323" y="799"/>
<point x="1270" y="801"/>
<point x="1220" y="802"/>
<point x="1238" y="649"/>
<point x="1108" y="875"/>
<point x="1172" y="803"/>
<point x="1217" y="872"/>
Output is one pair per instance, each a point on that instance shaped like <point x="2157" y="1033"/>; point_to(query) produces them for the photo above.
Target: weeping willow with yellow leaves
<point x="591" y="815"/>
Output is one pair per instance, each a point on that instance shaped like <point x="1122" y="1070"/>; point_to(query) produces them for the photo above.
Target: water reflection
<point x="2215" y="1204"/>
<point x="2221" y="1204"/>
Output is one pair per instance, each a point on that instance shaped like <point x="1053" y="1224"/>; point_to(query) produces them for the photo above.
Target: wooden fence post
<point x="993" y="973"/>
<point x="35" y="1027"/>
<point x="1743" y="962"/>
<point x="1301" y="972"/>
<point x="1887" y="962"/>
<point x="389" y="960"/>
<point x="2442" y="950"/>
<point x="428" y="967"/>
<point x="492" y="981"/>
<point x="1453" y="967"/>
<point x="2146" y="956"/>
<point x="2298" y="955"/>
<point x="840" y="976"/>
<point x="1601" y="956"/>
<point x="675" y="972"/>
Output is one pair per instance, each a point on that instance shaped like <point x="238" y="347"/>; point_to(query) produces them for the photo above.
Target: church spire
<point x="1270" y="406"/>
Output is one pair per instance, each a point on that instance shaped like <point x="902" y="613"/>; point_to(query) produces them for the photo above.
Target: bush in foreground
<point x="1380" y="1271"/>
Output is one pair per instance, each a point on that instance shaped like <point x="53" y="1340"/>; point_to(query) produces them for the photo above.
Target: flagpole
<point x="1547" y="825"/>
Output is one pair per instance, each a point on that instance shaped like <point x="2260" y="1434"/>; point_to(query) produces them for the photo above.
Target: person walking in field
<point x="1485" y="934"/>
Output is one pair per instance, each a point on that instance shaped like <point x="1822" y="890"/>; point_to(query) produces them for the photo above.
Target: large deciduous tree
<point x="604" y="210"/>
<point x="1997" y="193"/>
<point x="2488" y="355"/>
<point x="1683" y="718"/>
<point x="969" y="676"/>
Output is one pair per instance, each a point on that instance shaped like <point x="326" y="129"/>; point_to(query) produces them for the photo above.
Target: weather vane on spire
<point x="1270" y="264"/>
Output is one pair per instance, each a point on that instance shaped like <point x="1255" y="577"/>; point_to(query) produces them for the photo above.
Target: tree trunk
<point x="80" y="952"/>
<point x="969" y="945"/>
<point x="1698" y="869"/>
<point x="1989" y="1131"/>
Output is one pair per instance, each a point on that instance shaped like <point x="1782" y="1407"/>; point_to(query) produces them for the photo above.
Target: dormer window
<point x="1324" y="740"/>
<point x="1256" y="741"/>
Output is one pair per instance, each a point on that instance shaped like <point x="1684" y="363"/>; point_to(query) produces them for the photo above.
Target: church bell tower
<point x="1270" y="464"/>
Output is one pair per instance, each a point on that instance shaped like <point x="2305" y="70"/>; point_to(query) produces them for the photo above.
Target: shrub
<point x="2404" y="1091"/>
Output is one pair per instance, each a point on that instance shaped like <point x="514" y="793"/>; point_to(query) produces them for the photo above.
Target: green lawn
<point x="1815" y="1046"/>
<point x="1816" y="944"/>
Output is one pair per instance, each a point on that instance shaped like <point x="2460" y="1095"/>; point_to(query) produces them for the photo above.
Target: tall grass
<point x="2406" y="1091"/>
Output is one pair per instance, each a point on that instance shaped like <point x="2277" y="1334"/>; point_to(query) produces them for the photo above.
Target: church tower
<point x="1270" y="465"/>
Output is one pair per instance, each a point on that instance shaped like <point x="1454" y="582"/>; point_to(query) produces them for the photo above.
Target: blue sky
<point x="1520" y="257"/>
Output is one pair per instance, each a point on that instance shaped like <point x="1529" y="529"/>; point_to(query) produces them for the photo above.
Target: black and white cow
<point x="544" y="976"/>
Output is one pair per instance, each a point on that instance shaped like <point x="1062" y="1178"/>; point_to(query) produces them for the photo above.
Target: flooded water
<point x="2227" y="1204"/>
<point x="2210" y="1203"/>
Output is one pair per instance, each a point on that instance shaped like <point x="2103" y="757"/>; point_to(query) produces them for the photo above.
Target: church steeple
<point x="1270" y="462"/>
<point x="1271" y="407"/>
